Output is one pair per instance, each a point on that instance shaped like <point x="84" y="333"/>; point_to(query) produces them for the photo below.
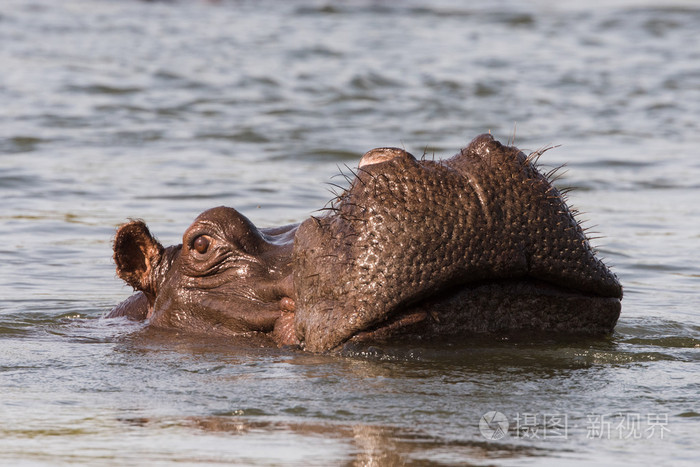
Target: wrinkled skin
<point x="481" y="242"/>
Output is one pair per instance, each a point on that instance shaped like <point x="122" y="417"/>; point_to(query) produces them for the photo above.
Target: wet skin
<point x="481" y="242"/>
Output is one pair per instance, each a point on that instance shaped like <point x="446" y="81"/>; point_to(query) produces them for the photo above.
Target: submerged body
<point x="481" y="242"/>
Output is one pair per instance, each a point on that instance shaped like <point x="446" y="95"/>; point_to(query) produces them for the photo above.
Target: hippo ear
<point x="136" y="253"/>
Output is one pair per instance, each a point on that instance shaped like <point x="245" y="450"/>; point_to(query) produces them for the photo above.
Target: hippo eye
<point x="201" y="244"/>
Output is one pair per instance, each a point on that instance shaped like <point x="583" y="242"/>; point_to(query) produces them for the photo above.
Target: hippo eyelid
<point x="218" y="241"/>
<point x="194" y="235"/>
<point x="200" y="230"/>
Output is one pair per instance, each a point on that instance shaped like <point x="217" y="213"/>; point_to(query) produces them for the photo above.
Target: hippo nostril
<point x="287" y="304"/>
<point x="201" y="244"/>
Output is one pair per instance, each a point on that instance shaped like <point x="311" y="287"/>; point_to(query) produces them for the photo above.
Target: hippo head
<point x="226" y="276"/>
<point x="481" y="242"/>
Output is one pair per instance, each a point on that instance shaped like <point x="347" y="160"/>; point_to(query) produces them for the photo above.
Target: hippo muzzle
<point x="481" y="242"/>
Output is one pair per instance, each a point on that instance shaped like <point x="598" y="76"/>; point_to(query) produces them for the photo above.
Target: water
<point x="117" y="110"/>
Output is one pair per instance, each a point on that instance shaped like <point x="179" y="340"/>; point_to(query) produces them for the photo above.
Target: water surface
<point x="159" y="110"/>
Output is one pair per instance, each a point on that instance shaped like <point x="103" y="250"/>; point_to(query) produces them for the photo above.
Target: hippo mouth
<point x="498" y="307"/>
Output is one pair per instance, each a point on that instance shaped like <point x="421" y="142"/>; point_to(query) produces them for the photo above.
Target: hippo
<point x="413" y="249"/>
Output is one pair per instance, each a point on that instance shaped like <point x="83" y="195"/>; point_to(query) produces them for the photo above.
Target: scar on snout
<point x="375" y="156"/>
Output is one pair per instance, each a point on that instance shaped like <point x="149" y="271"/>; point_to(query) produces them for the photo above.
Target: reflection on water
<point x="159" y="110"/>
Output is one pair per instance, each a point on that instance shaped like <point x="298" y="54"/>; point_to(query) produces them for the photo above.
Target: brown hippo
<point x="481" y="242"/>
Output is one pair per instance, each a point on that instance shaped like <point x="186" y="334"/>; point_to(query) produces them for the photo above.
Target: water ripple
<point x="160" y="110"/>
